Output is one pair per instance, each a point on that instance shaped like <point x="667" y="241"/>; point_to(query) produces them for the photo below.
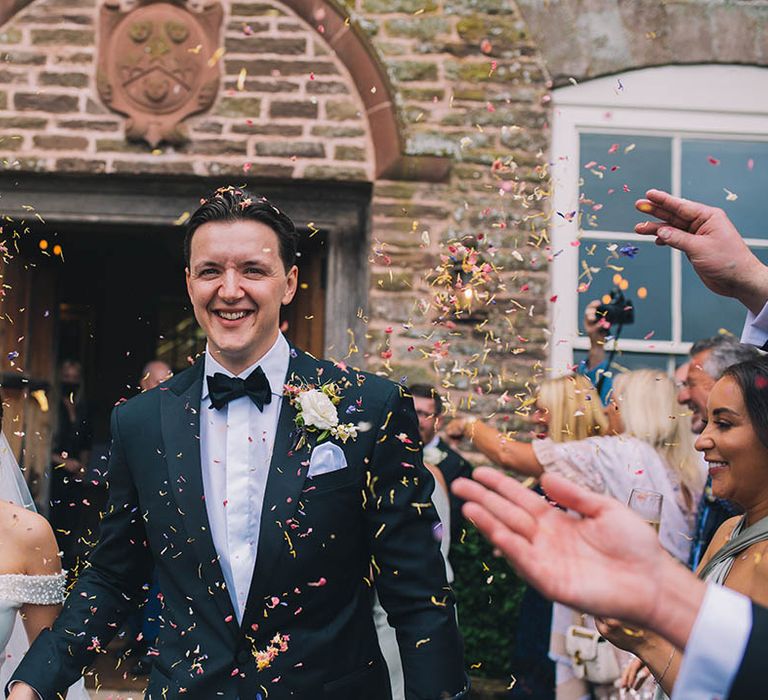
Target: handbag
<point x="592" y="656"/>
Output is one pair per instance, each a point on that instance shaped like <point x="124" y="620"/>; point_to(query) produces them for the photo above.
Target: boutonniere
<point x="316" y="412"/>
<point x="433" y="455"/>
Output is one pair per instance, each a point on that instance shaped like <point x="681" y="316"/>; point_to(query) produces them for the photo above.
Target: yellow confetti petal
<point x="213" y="60"/>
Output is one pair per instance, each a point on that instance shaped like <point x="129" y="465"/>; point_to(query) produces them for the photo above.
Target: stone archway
<point x="347" y="41"/>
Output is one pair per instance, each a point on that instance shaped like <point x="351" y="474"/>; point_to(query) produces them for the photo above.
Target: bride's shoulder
<point x="27" y="538"/>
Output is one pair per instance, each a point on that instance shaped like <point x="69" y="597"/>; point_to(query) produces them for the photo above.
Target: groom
<point x="272" y="492"/>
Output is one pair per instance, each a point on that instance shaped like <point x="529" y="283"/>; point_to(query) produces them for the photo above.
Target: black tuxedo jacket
<point x="749" y="683"/>
<point x="452" y="467"/>
<point x="324" y="543"/>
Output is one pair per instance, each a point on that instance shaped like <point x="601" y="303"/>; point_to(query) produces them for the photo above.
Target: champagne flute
<point x="647" y="504"/>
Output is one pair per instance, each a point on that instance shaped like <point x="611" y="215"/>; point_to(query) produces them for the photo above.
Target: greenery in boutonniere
<point x="316" y="412"/>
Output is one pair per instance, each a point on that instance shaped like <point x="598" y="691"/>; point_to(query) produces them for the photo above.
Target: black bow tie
<point x="223" y="389"/>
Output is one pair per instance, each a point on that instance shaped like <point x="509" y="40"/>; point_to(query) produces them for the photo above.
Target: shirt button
<point x="243" y="656"/>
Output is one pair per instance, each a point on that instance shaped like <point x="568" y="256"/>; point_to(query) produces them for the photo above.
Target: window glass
<point x="704" y="312"/>
<point x="730" y="175"/>
<point x="615" y="170"/>
<point x="644" y="278"/>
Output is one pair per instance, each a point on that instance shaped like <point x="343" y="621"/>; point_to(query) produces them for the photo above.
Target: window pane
<point x="712" y="170"/>
<point x="704" y="312"/>
<point x="617" y="169"/>
<point x="645" y="279"/>
<point x="630" y="360"/>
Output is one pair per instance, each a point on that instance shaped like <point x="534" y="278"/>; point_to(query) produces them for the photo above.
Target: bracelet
<point x="666" y="668"/>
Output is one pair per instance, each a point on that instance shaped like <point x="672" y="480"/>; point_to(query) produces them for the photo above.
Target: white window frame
<point x="705" y="101"/>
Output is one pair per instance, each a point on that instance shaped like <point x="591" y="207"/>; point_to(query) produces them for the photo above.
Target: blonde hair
<point x="649" y="411"/>
<point x="575" y="411"/>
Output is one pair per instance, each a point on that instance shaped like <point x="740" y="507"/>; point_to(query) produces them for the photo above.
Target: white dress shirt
<point x="716" y="646"/>
<point x="236" y="445"/>
<point x="756" y="328"/>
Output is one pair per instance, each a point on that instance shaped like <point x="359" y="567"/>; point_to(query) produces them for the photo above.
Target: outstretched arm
<point x="711" y="242"/>
<point x="587" y="563"/>
<point x="507" y="453"/>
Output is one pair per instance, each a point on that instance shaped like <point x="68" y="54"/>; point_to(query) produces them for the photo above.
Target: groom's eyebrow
<point x="206" y="263"/>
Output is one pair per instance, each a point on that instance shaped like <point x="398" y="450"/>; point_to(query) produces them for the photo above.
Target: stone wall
<point x="471" y="86"/>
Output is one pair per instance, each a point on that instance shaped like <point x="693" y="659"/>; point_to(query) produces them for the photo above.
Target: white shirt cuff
<point x="716" y="646"/>
<point x="755" y="330"/>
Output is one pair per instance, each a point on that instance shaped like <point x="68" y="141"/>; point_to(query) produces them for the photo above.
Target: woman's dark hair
<point x="236" y="204"/>
<point x="752" y="378"/>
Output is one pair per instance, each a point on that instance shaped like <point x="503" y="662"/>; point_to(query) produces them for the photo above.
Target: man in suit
<point x="272" y="492"/>
<point x="429" y="408"/>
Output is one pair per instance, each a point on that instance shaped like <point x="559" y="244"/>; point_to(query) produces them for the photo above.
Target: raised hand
<point x="714" y="247"/>
<point x="609" y="562"/>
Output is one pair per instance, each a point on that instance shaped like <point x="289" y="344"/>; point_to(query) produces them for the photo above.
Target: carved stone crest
<point x="158" y="63"/>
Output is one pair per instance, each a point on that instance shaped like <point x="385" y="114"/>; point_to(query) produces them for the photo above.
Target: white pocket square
<point x="326" y="458"/>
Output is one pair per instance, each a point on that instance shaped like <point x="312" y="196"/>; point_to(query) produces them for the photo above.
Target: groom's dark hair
<point x="237" y="204"/>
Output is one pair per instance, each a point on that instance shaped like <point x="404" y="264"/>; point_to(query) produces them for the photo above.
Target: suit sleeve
<point x="104" y="593"/>
<point x="749" y="677"/>
<point x="406" y="561"/>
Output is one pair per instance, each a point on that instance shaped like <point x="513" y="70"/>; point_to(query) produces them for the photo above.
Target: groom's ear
<point x="291" y="284"/>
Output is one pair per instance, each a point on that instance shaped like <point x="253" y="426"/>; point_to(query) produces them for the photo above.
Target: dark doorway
<point x="116" y="290"/>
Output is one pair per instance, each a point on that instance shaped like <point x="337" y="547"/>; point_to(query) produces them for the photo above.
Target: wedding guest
<point x="647" y="450"/>
<point x="705" y="234"/>
<point x="735" y="445"/>
<point x="436" y="451"/>
<point x="566" y="408"/>
<point x="710" y="357"/>
<point x="155" y="372"/>
<point x="595" y="366"/>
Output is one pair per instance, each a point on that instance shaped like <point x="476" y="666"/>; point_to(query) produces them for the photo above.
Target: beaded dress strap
<point x="39" y="590"/>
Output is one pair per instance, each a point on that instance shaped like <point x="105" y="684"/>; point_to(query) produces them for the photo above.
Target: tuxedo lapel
<point x="287" y="473"/>
<point x="180" y="425"/>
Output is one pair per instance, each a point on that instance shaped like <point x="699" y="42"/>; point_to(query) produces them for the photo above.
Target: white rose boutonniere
<point x="316" y="412"/>
<point x="434" y="455"/>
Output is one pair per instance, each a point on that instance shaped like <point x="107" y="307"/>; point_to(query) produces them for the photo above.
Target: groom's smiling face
<point x="237" y="283"/>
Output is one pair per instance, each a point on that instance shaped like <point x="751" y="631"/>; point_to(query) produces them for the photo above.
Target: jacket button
<point x="243" y="656"/>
